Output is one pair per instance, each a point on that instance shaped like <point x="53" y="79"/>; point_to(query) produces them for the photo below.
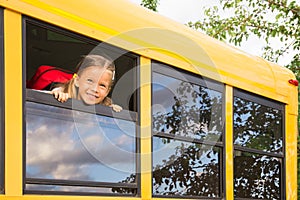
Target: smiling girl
<point x="91" y="83"/>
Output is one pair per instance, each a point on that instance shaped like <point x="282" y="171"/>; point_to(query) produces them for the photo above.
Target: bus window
<point x="53" y="46"/>
<point x="187" y="134"/>
<point x="2" y="111"/>
<point x="72" y="147"/>
<point x="69" y="147"/>
<point x="258" y="147"/>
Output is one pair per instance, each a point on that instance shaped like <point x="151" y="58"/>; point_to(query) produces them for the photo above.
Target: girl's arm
<point x="116" y="107"/>
<point x="63" y="97"/>
<point x="108" y="102"/>
<point x="59" y="94"/>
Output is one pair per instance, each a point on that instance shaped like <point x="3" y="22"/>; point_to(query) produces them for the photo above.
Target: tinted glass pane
<point x="185" y="169"/>
<point x="186" y="109"/>
<point x="71" y="145"/>
<point x="257" y="176"/>
<point x="257" y="126"/>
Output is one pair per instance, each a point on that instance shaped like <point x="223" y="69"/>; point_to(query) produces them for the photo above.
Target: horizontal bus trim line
<point x="256" y="151"/>
<point x="60" y="182"/>
<point x="186" y="197"/>
<point x="47" y="192"/>
<point x="271" y="103"/>
<point x="47" y="99"/>
<point x="187" y="139"/>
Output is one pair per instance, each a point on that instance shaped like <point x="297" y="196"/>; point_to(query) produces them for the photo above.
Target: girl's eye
<point x="89" y="80"/>
<point x="102" y="85"/>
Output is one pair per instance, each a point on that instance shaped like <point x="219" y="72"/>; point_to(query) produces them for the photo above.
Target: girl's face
<point x="93" y="84"/>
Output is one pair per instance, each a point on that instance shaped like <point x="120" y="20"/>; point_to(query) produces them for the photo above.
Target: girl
<point x="91" y="83"/>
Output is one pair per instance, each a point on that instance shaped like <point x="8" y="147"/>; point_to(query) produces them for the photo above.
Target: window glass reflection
<point x="256" y="176"/>
<point x="71" y="145"/>
<point x="183" y="168"/>
<point x="257" y="126"/>
<point x="186" y="109"/>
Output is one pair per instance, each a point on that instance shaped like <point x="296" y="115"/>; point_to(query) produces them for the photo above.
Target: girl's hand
<point x="60" y="95"/>
<point x="116" y="107"/>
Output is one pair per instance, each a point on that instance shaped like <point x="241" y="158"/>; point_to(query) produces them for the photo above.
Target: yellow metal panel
<point x="291" y="157"/>
<point x="229" y="143"/>
<point x="146" y="167"/>
<point x="291" y="133"/>
<point x="134" y="28"/>
<point x="65" y="197"/>
<point x="13" y="103"/>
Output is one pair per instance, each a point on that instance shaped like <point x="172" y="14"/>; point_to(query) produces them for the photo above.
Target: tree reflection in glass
<point x="186" y="109"/>
<point x="185" y="115"/>
<point x="257" y="176"/>
<point x="182" y="168"/>
<point x="259" y="128"/>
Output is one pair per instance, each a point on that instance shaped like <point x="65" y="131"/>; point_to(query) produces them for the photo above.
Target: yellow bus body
<point x="136" y="29"/>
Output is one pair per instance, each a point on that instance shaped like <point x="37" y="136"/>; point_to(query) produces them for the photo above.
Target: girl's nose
<point x="94" y="87"/>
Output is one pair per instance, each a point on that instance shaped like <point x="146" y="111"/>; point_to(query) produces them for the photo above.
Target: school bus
<point x="200" y="119"/>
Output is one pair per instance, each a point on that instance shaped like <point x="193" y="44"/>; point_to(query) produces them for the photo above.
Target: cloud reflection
<point x="58" y="147"/>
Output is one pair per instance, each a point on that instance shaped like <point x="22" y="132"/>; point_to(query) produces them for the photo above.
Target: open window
<point x="70" y="147"/>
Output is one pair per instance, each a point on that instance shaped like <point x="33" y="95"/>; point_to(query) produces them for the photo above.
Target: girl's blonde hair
<point x="88" y="61"/>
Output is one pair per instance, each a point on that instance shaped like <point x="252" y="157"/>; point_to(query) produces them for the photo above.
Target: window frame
<point x="271" y="104"/>
<point x="43" y="98"/>
<point x="170" y="71"/>
<point x="2" y="104"/>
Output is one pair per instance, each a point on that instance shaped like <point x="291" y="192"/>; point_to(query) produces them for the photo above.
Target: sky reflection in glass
<point x="72" y="145"/>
